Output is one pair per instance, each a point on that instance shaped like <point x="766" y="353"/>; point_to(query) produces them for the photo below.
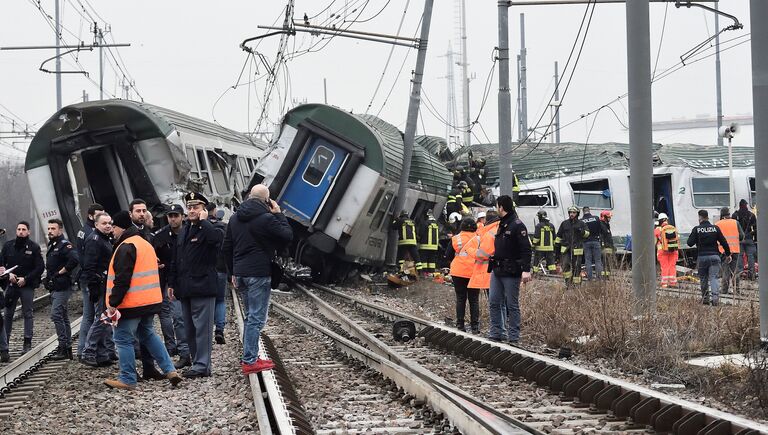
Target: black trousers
<point x="405" y="252"/>
<point x="464" y="294"/>
<point x="549" y="258"/>
<point x="428" y="259"/>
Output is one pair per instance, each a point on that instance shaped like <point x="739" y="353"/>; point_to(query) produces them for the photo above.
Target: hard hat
<point x="454" y="217"/>
<point x="605" y="214"/>
<point x="542" y="214"/>
<point x="481" y="215"/>
<point x="573" y="209"/>
<point x="462" y="183"/>
<point x="663" y="216"/>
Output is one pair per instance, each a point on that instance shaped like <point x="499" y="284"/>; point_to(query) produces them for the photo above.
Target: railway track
<point x="566" y="397"/>
<point x="25" y="374"/>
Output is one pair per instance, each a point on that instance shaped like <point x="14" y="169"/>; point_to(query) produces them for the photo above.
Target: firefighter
<point x="734" y="235"/>
<point x="452" y="205"/>
<point x="608" y="248"/>
<point x="515" y="187"/>
<point x="543" y="240"/>
<point x="406" y="241"/>
<point x="667" y="245"/>
<point x="466" y="193"/>
<point x="428" y="242"/>
<point x="570" y="238"/>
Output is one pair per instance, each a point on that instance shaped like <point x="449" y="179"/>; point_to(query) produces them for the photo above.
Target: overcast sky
<point x="185" y="54"/>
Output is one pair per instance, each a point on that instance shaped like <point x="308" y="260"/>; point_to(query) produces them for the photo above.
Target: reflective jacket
<point x="668" y="239"/>
<point x="571" y="236"/>
<point x="481" y="248"/>
<point x="544" y="237"/>
<point x="462" y="263"/>
<point x="133" y="282"/>
<point x="733" y="234"/>
<point x="406" y="231"/>
<point x="467" y="196"/>
<point x="429" y="235"/>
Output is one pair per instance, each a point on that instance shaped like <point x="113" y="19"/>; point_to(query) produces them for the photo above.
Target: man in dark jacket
<point x="570" y="238"/>
<point x="171" y="319"/>
<point x="61" y="261"/>
<point x="254" y="233"/>
<point x="133" y="290"/>
<point x="88" y="314"/>
<point x="99" y="349"/>
<point x="192" y="279"/>
<point x="25" y="256"/>
<point x="511" y="264"/>
<point x="748" y="223"/>
<point x="592" y="254"/>
<point x="220" y="312"/>
<point x="705" y="237"/>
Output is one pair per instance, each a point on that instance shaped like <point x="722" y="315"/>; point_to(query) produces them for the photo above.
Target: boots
<point x="151" y="373"/>
<point x="5" y="356"/>
<point x="183" y="361"/>
<point x="61" y="354"/>
<point x="220" y="337"/>
<point x="27" y="346"/>
<point x="70" y="355"/>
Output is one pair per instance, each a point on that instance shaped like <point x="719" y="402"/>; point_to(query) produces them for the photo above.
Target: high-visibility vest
<point x="730" y="229"/>
<point x="515" y="184"/>
<point x="657" y="236"/>
<point x="144" y="288"/>
<point x="480" y="226"/>
<point x="467" y="196"/>
<point x="485" y="248"/>
<point x="431" y="238"/>
<point x="670" y="240"/>
<point x="544" y="239"/>
<point x="407" y="233"/>
<point x="462" y="263"/>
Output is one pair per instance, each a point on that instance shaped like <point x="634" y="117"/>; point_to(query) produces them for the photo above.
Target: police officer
<point x="592" y="254"/>
<point x="406" y="241"/>
<point x="706" y="237"/>
<point x="220" y="312"/>
<point x="570" y="238"/>
<point x="171" y="320"/>
<point x="544" y="243"/>
<point x="99" y="349"/>
<point x="88" y="314"/>
<point x="61" y="260"/>
<point x="23" y="254"/>
<point x="429" y="237"/>
<point x="606" y="241"/>
<point x="192" y="279"/>
<point x="511" y="266"/>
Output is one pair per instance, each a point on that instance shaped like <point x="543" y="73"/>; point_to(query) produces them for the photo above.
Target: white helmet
<point x="454" y="217"/>
<point x="481" y="215"/>
<point x="663" y="216"/>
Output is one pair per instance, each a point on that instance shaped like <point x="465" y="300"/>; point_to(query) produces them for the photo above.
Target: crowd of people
<point x="129" y="275"/>
<point x="493" y="252"/>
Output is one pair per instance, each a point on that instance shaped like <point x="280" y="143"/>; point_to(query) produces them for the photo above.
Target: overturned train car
<point x="335" y="174"/>
<point x="112" y="151"/>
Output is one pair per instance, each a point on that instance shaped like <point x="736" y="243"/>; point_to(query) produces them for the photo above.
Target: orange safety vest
<point x="669" y="239"/>
<point x="730" y="230"/>
<point x="485" y="248"/>
<point x="657" y="236"/>
<point x="144" y="288"/>
<point x="462" y="263"/>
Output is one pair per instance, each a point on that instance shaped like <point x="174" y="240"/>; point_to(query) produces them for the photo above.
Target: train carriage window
<point x="710" y="192"/>
<point x="537" y="198"/>
<point x="375" y="202"/>
<point x="592" y="193"/>
<point x="251" y="165"/>
<point x="752" y="192"/>
<point x="201" y="160"/>
<point x="218" y="172"/>
<point x="191" y="158"/>
<point x="382" y="211"/>
<point x="318" y="165"/>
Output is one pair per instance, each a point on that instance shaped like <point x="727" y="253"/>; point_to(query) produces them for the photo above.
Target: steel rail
<point x="488" y="415"/>
<point x="641" y="405"/>
<point x="462" y="413"/>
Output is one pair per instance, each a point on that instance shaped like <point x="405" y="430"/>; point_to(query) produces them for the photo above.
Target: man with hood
<point x="748" y="224"/>
<point x="254" y="235"/>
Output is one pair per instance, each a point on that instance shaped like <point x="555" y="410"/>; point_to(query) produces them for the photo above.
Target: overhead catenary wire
<point x="389" y="57"/>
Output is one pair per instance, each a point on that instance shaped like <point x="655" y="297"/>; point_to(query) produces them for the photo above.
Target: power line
<point x="661" y="40"/>
<point x="389" y="57"/>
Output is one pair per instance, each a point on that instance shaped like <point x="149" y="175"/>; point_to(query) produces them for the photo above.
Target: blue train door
<point x="313" y="178"/>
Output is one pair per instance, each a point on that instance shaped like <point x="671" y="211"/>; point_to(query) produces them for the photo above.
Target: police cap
<point x="175" y="209"/>
<point x="194" y="198"/>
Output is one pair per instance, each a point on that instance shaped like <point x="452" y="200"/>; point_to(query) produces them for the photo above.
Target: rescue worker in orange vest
<point x="133" y="298"/>
<point x="667" y="245"/>
<point x="543" y="241"/>
<point x="429" y="238"/>
<point x="406" y="242"/>
<point x="733" y="235"/>
<point x="480" y="220"/>
<point x="606" y="239"/>
<point x="481" y="248"/>
<point x="462" y="265"/>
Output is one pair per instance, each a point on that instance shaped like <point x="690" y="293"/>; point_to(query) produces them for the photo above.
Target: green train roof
<point x="558" y="160"/>
<point x="145" y="121"/>
<point x="383" y="144"/>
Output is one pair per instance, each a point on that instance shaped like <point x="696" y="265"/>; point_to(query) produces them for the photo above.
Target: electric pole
<point x="640" y="154"/>
<point x="718" y="82"/>
<point x="556" y="104"/>
<point x="464" y="78"/>
<point x="451" y="132"/>
<point x="523" y="81"/>
<point x="505" y="108"/>
<point x="58" y="57"/>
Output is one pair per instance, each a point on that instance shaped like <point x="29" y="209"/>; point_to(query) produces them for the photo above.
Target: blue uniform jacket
<point x="60" y="254"/>
<point x="95" y="262"/>
<point x="193" y="269"/>
<point x="25" y="254"/>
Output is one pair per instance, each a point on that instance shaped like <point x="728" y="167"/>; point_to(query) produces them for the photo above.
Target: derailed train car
<point x="115" y="150"/>
<point x="335" y="174"/>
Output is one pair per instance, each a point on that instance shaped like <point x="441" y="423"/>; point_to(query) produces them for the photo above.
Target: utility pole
<point x="718" y="82"/>
<point x="556" y="104"/>
<point x="505" y="109"/>
<point x="411" y="121"/>
<point x="523" y="81"/>
<point x="58" y="58"/>
<point x="464" y="78"/>
<point x="520" y="128"/>
<point x="85" y="96"/>
<point x="451" y="132"/>
<point x="758" y="14"/>
<point x="640" y="154"/>
<point x="325" y="90"/>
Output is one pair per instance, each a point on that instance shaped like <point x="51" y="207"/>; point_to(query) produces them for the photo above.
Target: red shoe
<point x="259" y="365"/>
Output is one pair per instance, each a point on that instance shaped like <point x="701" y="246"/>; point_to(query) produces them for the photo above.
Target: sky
<point x="185" y="55"/>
